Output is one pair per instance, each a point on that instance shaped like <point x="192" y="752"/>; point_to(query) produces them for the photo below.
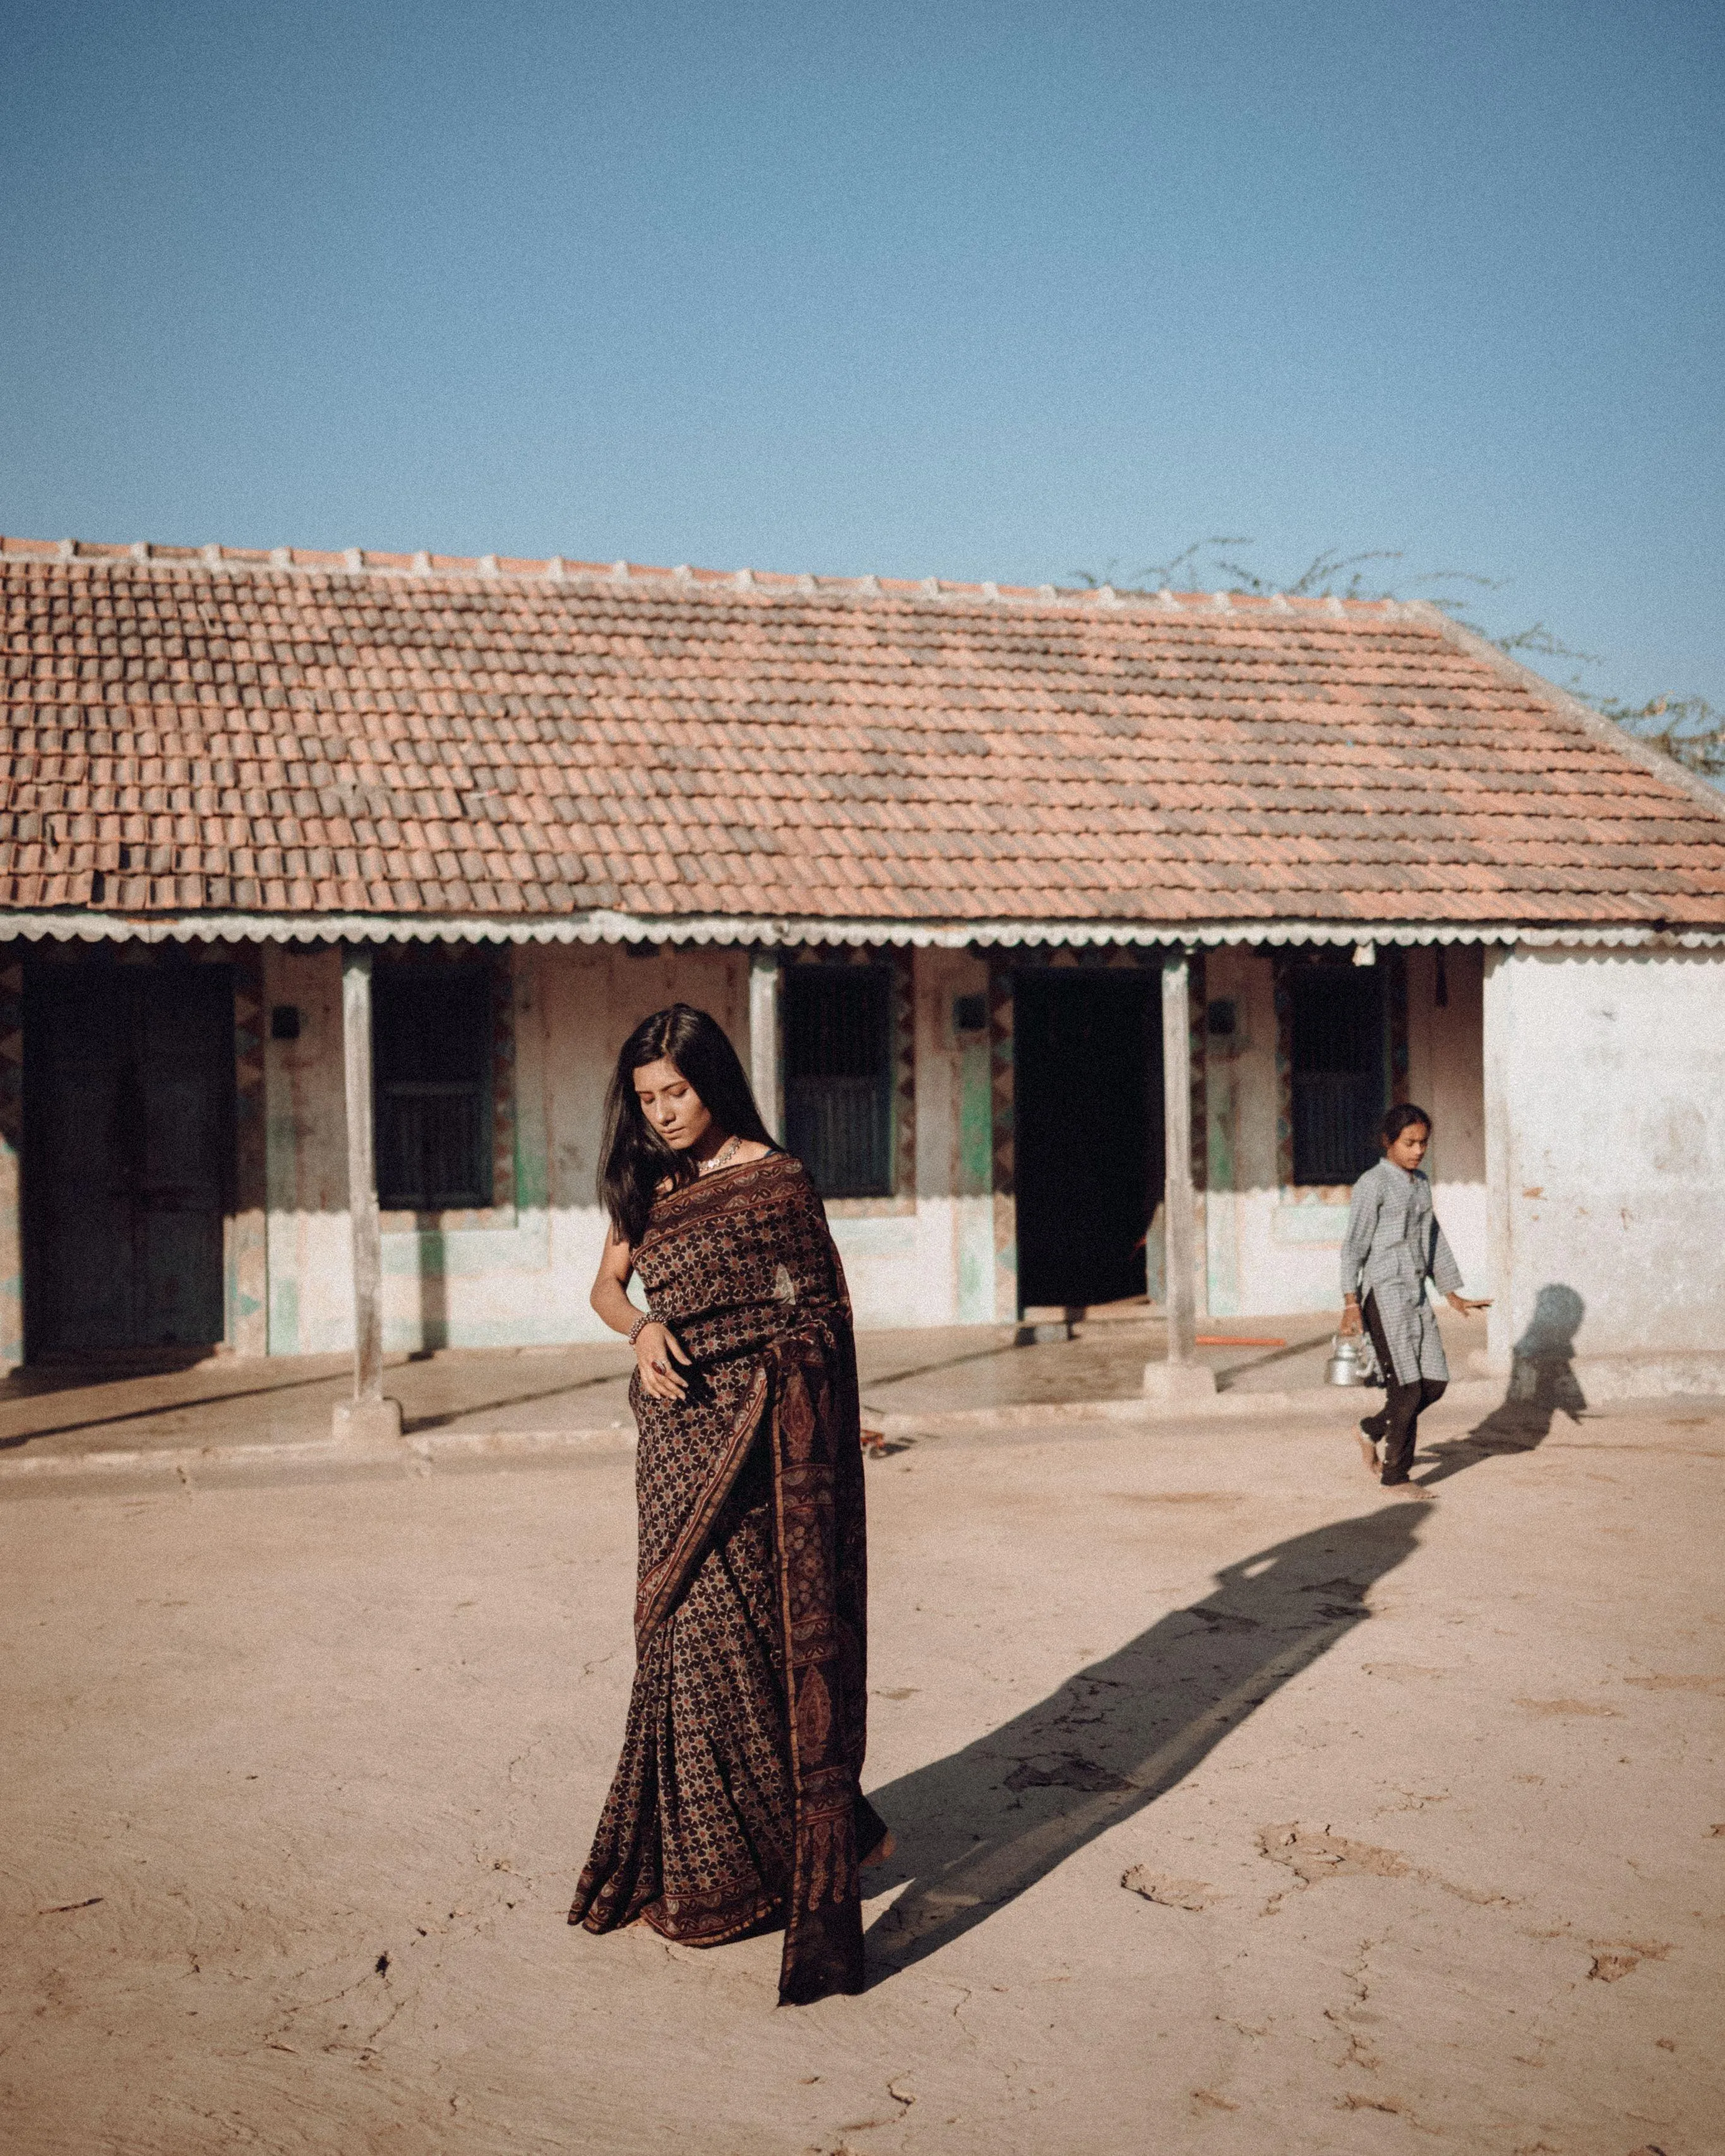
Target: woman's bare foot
<point x="881" y="1852"/>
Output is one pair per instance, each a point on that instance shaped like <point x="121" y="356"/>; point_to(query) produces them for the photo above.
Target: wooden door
<point x="128" y="1152"/>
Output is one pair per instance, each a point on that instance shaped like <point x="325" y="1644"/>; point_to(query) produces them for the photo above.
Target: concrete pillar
<point x="1181" y="1377"/>
<point x="765" y="1054"/>
<point x="368" y="1414"/>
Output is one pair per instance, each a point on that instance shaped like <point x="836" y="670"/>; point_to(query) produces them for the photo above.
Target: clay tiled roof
<point x="214" y="731"/>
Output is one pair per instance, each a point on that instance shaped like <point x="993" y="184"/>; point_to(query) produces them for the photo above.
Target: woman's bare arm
<point x="610" y="1284"/>
<point x="657" y="1348"/>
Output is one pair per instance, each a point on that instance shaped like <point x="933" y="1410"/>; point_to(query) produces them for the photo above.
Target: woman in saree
<point x="735" y="1807"/>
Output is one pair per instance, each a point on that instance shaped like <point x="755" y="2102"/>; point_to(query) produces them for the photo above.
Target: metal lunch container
<point x="1346" y="1364"/>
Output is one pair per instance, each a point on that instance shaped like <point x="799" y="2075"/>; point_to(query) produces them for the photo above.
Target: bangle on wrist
<point x="646" y="1318"/>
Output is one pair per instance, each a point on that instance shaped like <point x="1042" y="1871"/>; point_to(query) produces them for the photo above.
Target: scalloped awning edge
<point x="73" y="924"/>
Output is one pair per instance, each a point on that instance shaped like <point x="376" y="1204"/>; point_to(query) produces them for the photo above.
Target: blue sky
<point x="964" y="290"/>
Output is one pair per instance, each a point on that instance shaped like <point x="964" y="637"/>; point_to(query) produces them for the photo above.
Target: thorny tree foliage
<point x="1687" y="728"/>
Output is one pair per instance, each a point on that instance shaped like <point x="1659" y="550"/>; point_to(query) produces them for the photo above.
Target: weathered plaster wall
<point x="310" y="1274"/>
<point x="245" y="1240"/>
<point x="1246" y="1270"/>
<point x="520" y="1275"/>
<point x="916" y="1259"/>
<point x="1605" y="1134"/>
<point x="1272" y="1250"/>
<point x="952" y="1281"/>
<point x="1604" y="1138"/>
<point x="590" y="1001"/>
<point x="1269" y="1249"/>
<point x="1446" y="1074"/>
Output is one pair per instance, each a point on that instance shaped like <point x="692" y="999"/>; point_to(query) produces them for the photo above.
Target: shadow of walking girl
<point x="977" y="1828"/>
<point x="1543" y="1385"/>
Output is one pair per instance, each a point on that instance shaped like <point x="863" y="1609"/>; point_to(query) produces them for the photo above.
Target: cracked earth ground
<point x="1240" y="1809"/>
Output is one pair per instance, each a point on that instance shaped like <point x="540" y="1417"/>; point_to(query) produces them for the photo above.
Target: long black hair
<point x="634" y="1160"/>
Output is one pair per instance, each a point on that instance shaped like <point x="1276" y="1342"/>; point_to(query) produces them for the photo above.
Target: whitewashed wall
<point x="1269" y="1250"/>
<point x="955" y="1279"/>
<point x="1446" y="1074"/>
<point x="1601" y="1134"/>
<point x="1605" y="1109"/>
<point x="310" y="1274"/>
<point x="591" y="999"/>
<point x="1252" y="1264"/>
<point x="521" y="1278"/>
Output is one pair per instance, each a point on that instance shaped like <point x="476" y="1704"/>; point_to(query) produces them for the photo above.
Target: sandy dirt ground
<point x="1241" y="1808"/>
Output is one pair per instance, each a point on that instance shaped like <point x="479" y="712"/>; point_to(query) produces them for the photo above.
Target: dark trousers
<point x="1398" y="1422"/>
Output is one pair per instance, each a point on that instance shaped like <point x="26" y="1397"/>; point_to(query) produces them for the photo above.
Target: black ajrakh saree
<point x="736" y="1806"/>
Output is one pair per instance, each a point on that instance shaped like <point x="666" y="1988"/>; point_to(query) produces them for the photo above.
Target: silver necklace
<point x="720" y="1158"/>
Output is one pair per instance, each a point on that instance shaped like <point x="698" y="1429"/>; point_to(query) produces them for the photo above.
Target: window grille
<point x="837" y="1022"/>
<point x="431" y="1045"/>
<point x="1339" y="1070"/>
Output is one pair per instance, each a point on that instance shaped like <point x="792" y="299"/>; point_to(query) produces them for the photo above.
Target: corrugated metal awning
<point x="105" y="926"/>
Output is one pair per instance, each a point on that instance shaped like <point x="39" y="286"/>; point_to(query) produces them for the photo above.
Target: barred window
<point x="431" y="1046"/>
<point x="838" y="1029"/>
<point x="1340" y="1070"/>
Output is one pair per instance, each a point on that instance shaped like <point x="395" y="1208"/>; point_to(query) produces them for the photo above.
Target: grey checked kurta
<point x="1393" y="1246"/>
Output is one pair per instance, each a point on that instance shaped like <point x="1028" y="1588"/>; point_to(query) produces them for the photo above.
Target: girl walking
<point x="1393" y="1246"/>
<point x="735" y="1807"/>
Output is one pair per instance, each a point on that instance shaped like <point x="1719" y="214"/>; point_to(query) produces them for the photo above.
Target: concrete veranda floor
<point x="1240" y="1809"/>
<point x="72" y="1409"/>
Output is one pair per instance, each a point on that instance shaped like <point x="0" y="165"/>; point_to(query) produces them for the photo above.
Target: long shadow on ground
<point x="977" y="1828"/>
<point x="1543" y="1385"/>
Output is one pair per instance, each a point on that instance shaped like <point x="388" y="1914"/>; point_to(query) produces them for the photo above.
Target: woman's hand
<point x="1463" y="1308"/>
<point x="657" y="1351"/>
<point x="1351" y="1321"/>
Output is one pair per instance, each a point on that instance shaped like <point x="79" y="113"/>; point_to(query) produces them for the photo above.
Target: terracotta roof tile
<point x="187" y="729"/>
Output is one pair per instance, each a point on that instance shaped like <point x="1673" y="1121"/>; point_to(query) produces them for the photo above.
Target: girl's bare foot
<point x="881" y="1852"/>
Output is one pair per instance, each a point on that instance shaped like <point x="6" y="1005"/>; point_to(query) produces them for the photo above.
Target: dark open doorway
<point x="1087" y="1093"/>
<point x="128" y="1153"/>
